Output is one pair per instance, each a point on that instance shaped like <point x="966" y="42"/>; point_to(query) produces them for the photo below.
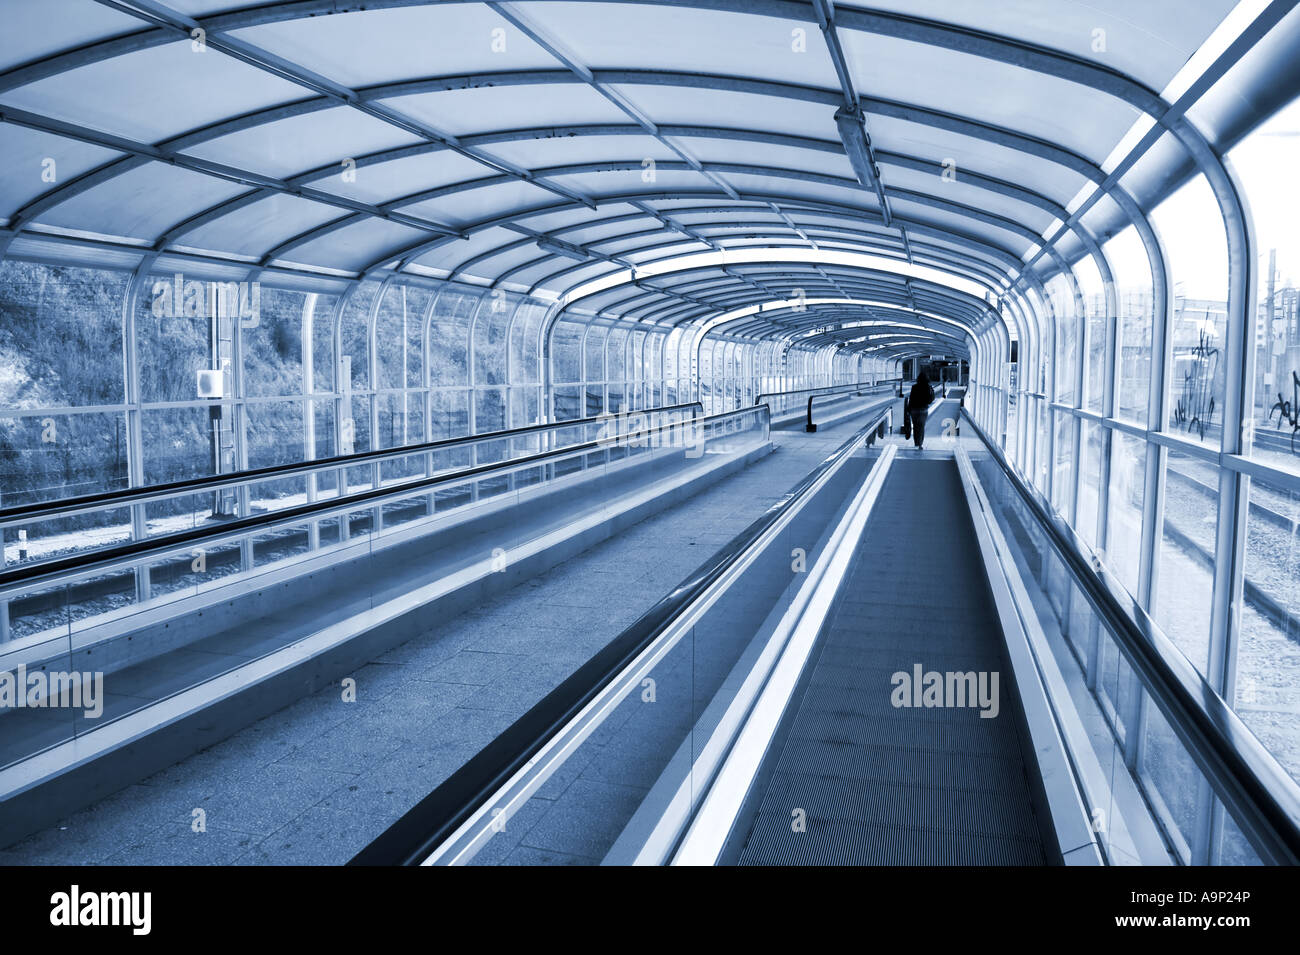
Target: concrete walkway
<point x="315" y="782"/>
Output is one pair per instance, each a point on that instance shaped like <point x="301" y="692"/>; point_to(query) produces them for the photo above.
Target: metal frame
<point x="678" y="306"/>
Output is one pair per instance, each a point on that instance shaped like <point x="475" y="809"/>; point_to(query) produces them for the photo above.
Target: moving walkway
<point x="853" y="777"/>
<point x="176" y="625"/>
<point x="759" y="713"/>
<point x="201" y="622"/>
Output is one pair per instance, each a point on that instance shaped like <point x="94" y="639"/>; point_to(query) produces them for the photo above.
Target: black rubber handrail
<point x="435" y="818"/>
<point x="826" y="389"/>
<point x="124" y="496"/>
<point x="809" y="425"/>
<point x="52" y="570"/>
<point x="1259" y="794"/>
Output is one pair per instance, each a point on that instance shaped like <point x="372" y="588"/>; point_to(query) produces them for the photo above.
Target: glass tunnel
<point x="498" y="433"/>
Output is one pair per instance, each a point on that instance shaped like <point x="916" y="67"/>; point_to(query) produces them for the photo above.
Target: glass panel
<point x="449" y="339"/>
<point x="355" y="327"/>
<point x="324" y="443"/>
<point x="401" y="420"/>
<point x="1268" y="653"/>
<point x="1266" y="161"/>
<point x="1086" y="524"/>
<point x="616" y="367"/>
<point x="525" y="365"/>
<point x="1128" y="260"/>
<point x="273" y="346"/>
<point x="61" y="336"/>
<point x="1185" y="578"/>
<point x="1192" y="229"/>
<point x="322" y="343"/>
<point x="60" y="347"/>
<point x="1094" y="298"/>
<point x="1013" y="434"/>
<point x="1235" y="849"/>
<point x="1062" y="480"/>
<point x="1100" y="696"/>
<point x="47" y="457"/>
<point x="181" y="443"/>
<point x="358" y="427"/>
<point x="1127" y="489"/>
<point x="1173" y="782"/>
<point x="41" y="622"/>
<point x="176" y="342"/>
<point x="450" y="413"/>
<point x="1067" y="338"/>
<point x="567" y="347"/>
<point x="398" y="335"/>
<point x="490" y="410"/>
<point x="568" y="403"/>
<point x="653" y="366"/>
<point x="274" y="433"/>
<point x="594" y="370"/>
<point x="490" y="340"/>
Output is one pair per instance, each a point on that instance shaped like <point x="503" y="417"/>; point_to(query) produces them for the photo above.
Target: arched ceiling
<point x="551" y="146"/>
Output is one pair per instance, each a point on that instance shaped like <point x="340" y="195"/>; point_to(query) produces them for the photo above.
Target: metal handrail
<point x="22" y="513"/>
<point x="1261" y="796"/>
<point x="435" y="818"/>
<point x="48" y="571"/>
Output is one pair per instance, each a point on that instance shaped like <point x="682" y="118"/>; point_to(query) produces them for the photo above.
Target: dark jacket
<point x="920" y="398"/>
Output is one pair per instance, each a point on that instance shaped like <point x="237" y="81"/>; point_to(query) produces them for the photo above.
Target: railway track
<point x="1267" y="605"/>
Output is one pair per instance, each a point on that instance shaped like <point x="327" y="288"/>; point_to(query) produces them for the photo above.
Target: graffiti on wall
<point x="1195" y="407"/>
<point x="1288" y="410"/>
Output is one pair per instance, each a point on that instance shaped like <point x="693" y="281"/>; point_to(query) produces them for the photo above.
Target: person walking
<point x="918" y="404"/>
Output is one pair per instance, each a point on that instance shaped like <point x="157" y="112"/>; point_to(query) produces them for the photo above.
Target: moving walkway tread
<point x="877" y="784"/>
